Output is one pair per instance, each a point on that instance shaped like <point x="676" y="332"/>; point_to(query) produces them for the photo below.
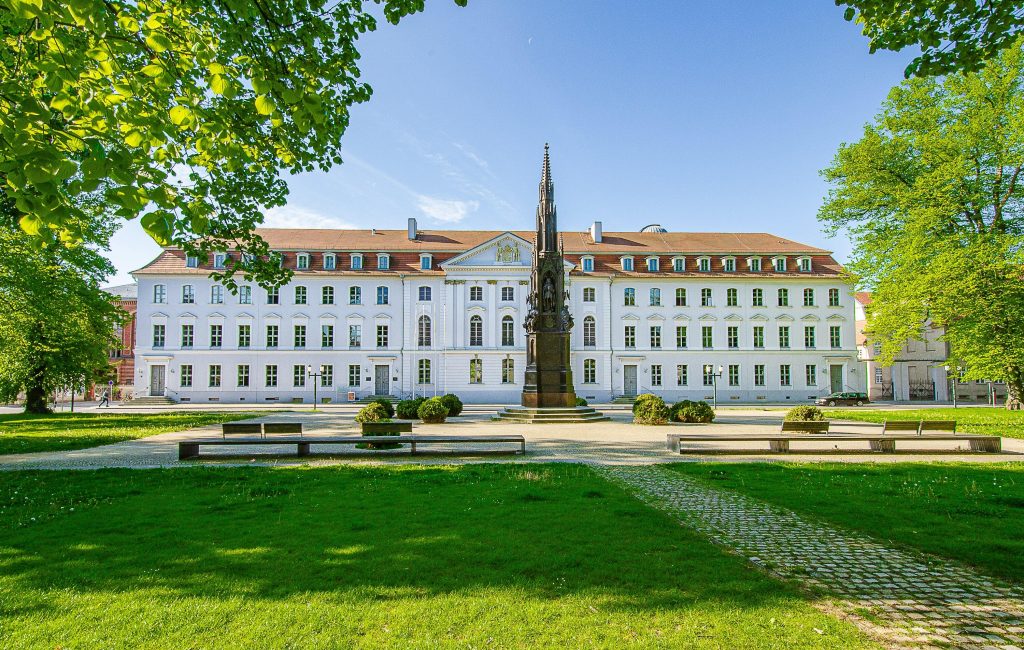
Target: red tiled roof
<point x="863" y="297"/>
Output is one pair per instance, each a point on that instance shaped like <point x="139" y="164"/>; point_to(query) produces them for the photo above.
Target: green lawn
<point x="505" y="556"/>
<point x="973" y="513"/>
<point x="22" y="433"/>
<point x="976" y="419"/>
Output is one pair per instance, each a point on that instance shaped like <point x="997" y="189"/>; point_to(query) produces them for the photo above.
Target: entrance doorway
<point x="381" y="380"/>
<point x="629" y="381"/>
<point x="157" y="380"/>
<point x="836" y="377"/>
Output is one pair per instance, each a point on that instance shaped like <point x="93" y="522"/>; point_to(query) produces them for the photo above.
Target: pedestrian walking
<point x="105" y="398"/>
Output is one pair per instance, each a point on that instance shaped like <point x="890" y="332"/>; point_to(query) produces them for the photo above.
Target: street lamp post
<point x="952" y="379"/>
<point x="714" y="386"/>
<point x="316" y="376"/>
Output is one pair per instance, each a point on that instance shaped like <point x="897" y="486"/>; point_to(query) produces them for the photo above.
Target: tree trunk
<point x="36" y="399"/>
<point x="1014" y="388"/>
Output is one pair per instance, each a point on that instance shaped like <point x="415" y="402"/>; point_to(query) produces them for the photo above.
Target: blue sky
<point x="696" y="115"/>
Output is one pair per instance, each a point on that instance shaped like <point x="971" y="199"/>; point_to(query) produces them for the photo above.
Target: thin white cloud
<point x="293" y="216"/>
<point x="445" y="210"/>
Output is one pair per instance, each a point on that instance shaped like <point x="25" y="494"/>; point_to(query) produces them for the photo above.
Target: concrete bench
<point x="779" y="443"/>
<point x="938" y="425"/>
<point x="246" y="428"/>
<point x="270" y="428"/>
<point x="190" y="448"/>
<point x="804" y="426"/>
<point x="901" y="425"/>
<point x="385" y="427"/>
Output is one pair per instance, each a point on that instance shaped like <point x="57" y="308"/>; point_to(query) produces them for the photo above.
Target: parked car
<point x="843" y="399"/>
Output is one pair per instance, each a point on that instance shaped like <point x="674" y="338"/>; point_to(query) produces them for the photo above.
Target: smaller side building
<point x="122" y="357"/>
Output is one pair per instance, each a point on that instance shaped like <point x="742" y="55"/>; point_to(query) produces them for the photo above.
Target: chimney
<point x="595" y="232"/>
<point x="412" y="228"/>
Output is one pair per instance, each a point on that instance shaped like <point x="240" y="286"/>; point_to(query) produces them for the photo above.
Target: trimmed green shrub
<point x="805" y="413"/>
<point x="372" y="412"/>
<point x="388" y="406"/>
<point x="452" y="403"/>
<point x="651" y="410"/>
<point x="695" y="412"/>
<point x="673" y="411"/>
<point x="433" y="411"/>
<point x="581" y="402"/>
<point x="407" y="408"/>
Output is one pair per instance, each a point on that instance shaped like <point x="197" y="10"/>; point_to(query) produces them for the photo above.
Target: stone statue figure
<point x="548" y="297"/>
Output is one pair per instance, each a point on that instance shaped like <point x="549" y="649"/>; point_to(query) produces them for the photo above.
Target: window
<point x="729" y="265"/>
<point x="327" y="375"/>
<point x="627" y="263"/>
<point x="302" y="261"/>
<point x="655" y="298"/>
<point x="355" y="296"/>
<point x="834" y="338"/>
<point x="186" y="376"/>
<point x="783" y="297"/>
<point x="680" y="297"/>
<point x="355" y="375"/>
<point x="733" y="336"/>
<point x="423" y="332"/>
<point x="245" y="295"/>
<point x="757" y="297"/>
<point x="805" y="264"/>
<point x="704" y="264"/>
<point x="476" y="371"/>
<point x="705" y="336"/>
<point x="709" y="374"/>
<point x="188" y="294"/>
<point x="655" y="336"/>
<point x="589" y="371"/>
<point x="327" y="295"/>
<point x="382" y="336"/>
<point x="270" y="378"/>
<point x="779" y="263"/>
<point x="299" y="336"/>
<point x="243" y="375"/>
<point x="357" y="263"/>
<point x="300" y="295"/>
<point x="758" y="336"/>
<point x="159" y="335"/>
<point x="383" y="262"/>
<point x="681" y="375"/>
<point x="216" y="336"/>
<point x="878" y="375"/>
<point x="329" y="262"/>
<point x="588" y="264"/>
<point x="784" y="378"/>
<point x="191" y="261"/>
<point x="382" y="295"/>
<point x="215" y="376"/>
<point x="680" y="336"/>
<point x="508" y="371"/>
<point x="327" y="336"/>
<point x="784" y="336"/>
<point x="679" y="264"/>
<point x="877" y="348"/>
<point x="589" y="332"/>
<point x="656" y="375"/>
<point x="808" y="297"/>
<point x="216" y="294"/>
<point x="705" y="298"/>
<point x="833" y="297"/>
<point x="809" y="336"/>
<point x="219" y="260"/>
<point x="188" y="336"/>
<point x="508" y="294"/>
<point x="629" y="336"/>
<point x="734" y="375"/>
<point x="244" y="336"/>
<point x="589" y="294"/>
<point x="426" y="263"/>
<point x="159" y="293"/>
<point x="508" y="331"/>
<point x="298" y="376"/>
<point x="811" y="372"/>
<point x="274" y="296"/>
<point x="652" y="264"/>
<point x="759" y="374"/>
<point x="273" y="332"/>
<point x="755" y="264"/>
<point x="731" y="298"/>
<point x="424" y="294"/>
<point x="476" y="330"/>
<point x="423" y="371"/>
<point x="629" y="296"/>
<point x="476" y="294"/>
<point x="355" y="336"/>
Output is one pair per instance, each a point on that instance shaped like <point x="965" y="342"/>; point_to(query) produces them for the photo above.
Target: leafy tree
<point x="953" y="36"/>
<point x="183" y="113"/>
<point x="56" y="325"/>
<point x="931" y="196"/>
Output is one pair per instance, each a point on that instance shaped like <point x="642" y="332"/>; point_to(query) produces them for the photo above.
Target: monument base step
<point x="566" y="415"/>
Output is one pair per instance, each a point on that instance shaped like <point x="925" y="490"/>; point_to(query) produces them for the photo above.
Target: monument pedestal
<point x="564" y="415"/>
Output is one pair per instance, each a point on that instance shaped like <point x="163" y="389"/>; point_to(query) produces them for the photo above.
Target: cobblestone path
<point x="904" y="597"/>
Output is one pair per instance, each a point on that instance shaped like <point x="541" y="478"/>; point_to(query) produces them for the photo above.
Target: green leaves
<point x="264" y="105"/>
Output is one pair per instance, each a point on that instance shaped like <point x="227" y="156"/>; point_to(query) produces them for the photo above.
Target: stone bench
<point x="805" y="426"/>
<point x="779" y="443"/>
<point x="385" y="427"/>
<point x="248" y="428"/>
<point x="188" y="449"/>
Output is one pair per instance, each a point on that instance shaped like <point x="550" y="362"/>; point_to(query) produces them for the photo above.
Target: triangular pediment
<point x="732" y="318"/>
<point x="836" y="317"/>
<point x="759" y="317"/>
<point x="507" y="250"/>
<point x="785" y="317"/>
<point x="707" y="317"/>
<point x="810" y="317"/>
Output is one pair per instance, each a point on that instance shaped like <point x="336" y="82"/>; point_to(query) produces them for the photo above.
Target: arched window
<point x="589" y="371"/>
<point x="423" y="332"/>
<point x="476" y="331"/>
<point x="508" y="331"/>
<point x="589" y="331"/>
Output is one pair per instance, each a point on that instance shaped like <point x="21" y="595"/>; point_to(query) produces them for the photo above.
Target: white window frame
<point x="356" y="262"/>
<point x="587" y="263"/>
<point x="330" y="261"/>
<point x="626" y="261"/>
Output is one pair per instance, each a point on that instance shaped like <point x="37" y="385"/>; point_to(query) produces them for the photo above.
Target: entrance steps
<point x="566" y="415"/>
<point x="624" y="399"/>
<point x="374" y="398"/>
<point x="149" y="400"/>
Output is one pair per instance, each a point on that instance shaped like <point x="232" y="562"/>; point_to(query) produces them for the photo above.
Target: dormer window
<point x="426" y="262"/>
<point x="754" y="264"/>
<point x="779" y="263"/>
<point x="302" y="261"/>
<point x="678" y="264"/>
<point x="652" y="264"/>
<point x="357" y="261"/>
<point x="191" y="261"/>
<point x="587" y="262"/>
<point x="220" y="260"/>
<point x="627" y="263"/>
<point x="248" y="259"/>
<point x="804" y="264"/>
<point x="330" y="262"/>
<point x="704" y="264"/>
<point x="729" y="264"/>
<point x="383" y="262"/>
<point x="279" y="256"/>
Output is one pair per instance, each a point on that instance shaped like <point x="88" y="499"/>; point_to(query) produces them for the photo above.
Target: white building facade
<point x="744" y="317"/>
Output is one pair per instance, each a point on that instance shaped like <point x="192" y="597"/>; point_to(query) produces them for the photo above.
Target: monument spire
<point x="547" y="224"/>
